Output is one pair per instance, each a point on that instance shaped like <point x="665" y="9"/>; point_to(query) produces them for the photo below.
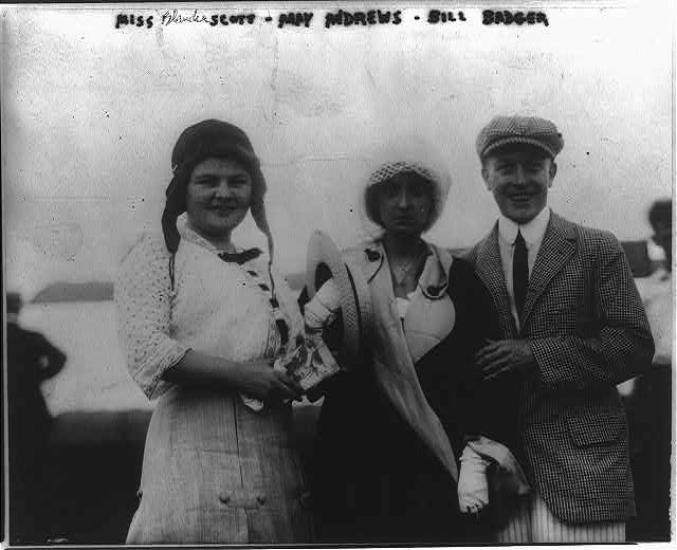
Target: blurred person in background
<point x="656" y="290"/>
<point x="31" y="359"/>
<point x="649" y="397"/>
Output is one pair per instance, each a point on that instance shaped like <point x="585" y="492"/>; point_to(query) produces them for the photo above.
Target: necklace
<point x="403" y="270"/>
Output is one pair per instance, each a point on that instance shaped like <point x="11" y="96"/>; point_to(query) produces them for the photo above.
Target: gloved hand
<point x="473" y="486"/>
<point x="322" y="309"/>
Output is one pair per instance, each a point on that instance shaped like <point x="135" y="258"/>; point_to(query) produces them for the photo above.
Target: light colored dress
<point x="214" y="471"/>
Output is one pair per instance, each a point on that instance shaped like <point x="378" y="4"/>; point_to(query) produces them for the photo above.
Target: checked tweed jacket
<point x="586" y="325"/>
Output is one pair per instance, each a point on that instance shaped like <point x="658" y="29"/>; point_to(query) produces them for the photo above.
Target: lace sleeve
<point x="143" y="299"/>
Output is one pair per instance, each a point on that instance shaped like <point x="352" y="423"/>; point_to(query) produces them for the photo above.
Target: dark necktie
<point x="241" y="257"/>
<point x="520" y="272"/>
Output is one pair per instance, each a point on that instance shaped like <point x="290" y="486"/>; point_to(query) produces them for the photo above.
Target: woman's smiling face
<point x="218" y="196"/>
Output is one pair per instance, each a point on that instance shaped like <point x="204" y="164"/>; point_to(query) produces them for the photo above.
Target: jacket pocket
<point x="597" y="428"/>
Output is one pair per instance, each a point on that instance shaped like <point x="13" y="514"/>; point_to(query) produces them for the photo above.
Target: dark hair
<point x="660" y="213"/>
<point x="373" y="192"/>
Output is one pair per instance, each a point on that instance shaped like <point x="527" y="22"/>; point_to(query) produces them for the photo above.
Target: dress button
<point x="261" y="499"/>
<point x="225" y="499"/>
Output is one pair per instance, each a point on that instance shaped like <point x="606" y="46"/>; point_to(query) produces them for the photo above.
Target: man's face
<point x="519" y="180"/>
<point x="663" y="238"/>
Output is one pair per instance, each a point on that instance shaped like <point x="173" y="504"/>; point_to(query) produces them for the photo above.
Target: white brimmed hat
<point x="324" y="262"/>
<point x="406" y="154"/>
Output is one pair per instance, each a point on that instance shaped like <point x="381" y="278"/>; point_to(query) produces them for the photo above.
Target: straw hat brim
<point x="324" y="262"/>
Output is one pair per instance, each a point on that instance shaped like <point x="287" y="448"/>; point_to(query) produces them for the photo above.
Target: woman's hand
<point x="322" y="309"/>
<point x="258" y="379"/>
<point x="473" y="486"/>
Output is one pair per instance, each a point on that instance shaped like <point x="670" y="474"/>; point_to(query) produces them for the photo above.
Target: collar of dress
<point x="434" y="278"/>
<point x="187" y="232"/>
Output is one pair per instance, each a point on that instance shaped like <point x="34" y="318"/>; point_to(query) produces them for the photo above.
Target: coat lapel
<point x="372" y="258"/>
<point x="393" y="365"/>
<point x="559" y="244"/>
<point x="431" y="314"/>
<point x="489" y="267"/>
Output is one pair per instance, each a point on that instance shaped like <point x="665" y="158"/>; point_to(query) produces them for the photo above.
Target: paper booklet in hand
<point x="309" y="364"/>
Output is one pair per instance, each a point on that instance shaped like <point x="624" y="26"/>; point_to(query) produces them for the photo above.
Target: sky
<point x="90" y="114"/>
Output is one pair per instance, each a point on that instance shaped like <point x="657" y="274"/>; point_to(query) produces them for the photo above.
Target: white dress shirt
<point x="656" y="293"/>
<point x="533" y="233"/>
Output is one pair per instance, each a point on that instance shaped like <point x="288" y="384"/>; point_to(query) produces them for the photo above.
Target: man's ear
<point x="485" y="176"/>
<point x="553" y="171"/>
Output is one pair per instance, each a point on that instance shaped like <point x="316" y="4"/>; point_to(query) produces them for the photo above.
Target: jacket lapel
<point x="372" y="258"/>
<point x="489" y="267"/>
<point x="559" y="244"/>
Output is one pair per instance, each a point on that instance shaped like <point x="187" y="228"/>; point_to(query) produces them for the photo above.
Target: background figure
<point x="573" y="327"/>
<point x="649" y="403"/>
<point x="31" y="359"/>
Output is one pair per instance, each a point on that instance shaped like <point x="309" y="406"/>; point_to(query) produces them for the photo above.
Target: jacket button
<point x="225" y="499"/>
<point x="261" y="499"/>
<point x="372" y="255"/>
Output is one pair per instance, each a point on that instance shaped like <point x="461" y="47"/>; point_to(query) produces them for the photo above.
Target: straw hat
<point x="324" y="262"/>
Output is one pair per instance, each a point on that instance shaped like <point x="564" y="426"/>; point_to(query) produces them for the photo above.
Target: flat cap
<point x="507" y="130"/>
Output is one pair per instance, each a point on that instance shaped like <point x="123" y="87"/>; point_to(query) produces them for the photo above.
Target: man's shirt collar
<point x="532" y="231"/>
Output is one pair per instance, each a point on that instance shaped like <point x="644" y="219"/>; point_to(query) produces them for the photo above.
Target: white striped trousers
<point x="532" y="522"/>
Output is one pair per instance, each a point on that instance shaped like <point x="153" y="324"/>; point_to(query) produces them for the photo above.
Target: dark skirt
<point x="374" y="480"/>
